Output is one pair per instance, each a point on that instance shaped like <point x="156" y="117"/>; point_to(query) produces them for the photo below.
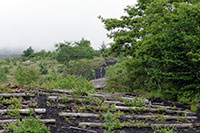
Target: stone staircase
<point x="66" y="112"/>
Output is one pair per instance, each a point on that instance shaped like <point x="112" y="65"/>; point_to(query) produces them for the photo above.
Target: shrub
<point x="84" y="67"/>
<point x="74" y="50"/>
<point x="43" y="68"/>
<point x="27" y="126"/>
<point x="79" y="84"/>
<point x="117" y="77"/>
<point x="3" y="76"/>
<point x="25" y="76"/>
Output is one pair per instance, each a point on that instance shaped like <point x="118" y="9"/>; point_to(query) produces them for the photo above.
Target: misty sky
<point x="42" y="23"/>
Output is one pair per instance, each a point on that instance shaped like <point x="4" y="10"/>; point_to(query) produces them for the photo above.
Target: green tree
<point x="102" y="48"/>
<point x="28" y="52"/>
<point x="74" y="50"/>
<point x="164" y="37"/>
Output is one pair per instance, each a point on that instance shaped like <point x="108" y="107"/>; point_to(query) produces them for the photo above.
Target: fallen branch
<point x="55" y="90"/>
<point x="60" y="98"/>
<point x="24" y="111"/>
<point x="115" y="97"/>
<point x="166" y="117"/>
<point x="160" y="106"/>
<point x="181" y="125"/>
<point x="87" y="115"/>
<point x="81" y="100"/>
<point x="45" y="121"/>
<point x="81" y="129"/>
<point x="79" y="114"/>
<point x="17" y="95"/>
<point x="123" y="108"/>
<point x="89" y="124"/>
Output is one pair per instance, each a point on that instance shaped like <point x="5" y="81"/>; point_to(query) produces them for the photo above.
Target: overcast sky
<point x="42" y="23"/>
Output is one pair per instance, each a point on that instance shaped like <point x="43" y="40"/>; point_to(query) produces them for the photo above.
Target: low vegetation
<point x="27" y="126"/>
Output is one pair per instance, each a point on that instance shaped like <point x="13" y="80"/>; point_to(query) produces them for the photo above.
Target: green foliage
<point x="162" y="38"/>
<point x="14" y="104"/>
<point x="164" y="130"/>
<point x="137" y="102"/>
<point x="3" y="76"/>
<point x="64" y="99"/>
<point x="74" y="50"/>
<point x="81" y="85"/>
<point x="102" y="48"/>
<point x="27" y="126"/>
<point x="43" y="68"/>
<point x="109" y="122"/>
<point x="25" y="76"/>
<point x="28" y="53"/>
<point x="193" y="108"/>
<point x="112" y="121"/>
<point x="117" y="76"/>
<point x="14" y="101"/>
<point x="84" y="67"/>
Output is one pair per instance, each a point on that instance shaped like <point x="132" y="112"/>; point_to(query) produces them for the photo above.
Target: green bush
<point x="117" y="77"/>
<point x="84" y="67"/>
<point x="27" y="126"/>
<point x="79" y="84"/>
<point x="3" y="76"/>
<point x="25" y="75"/>
<point x="74" y="50"/>
<point x="43" y="68"/>
<point x="127" y="75"/>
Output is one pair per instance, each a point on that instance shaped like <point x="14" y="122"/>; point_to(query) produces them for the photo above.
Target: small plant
<point x="161" y="110"/>
<point x="182" y="119"/>
<point x="98" y="101"/>
<point x="193" y="108"/>
<point x="161" y="118"/>
<point x="5" y="90"/>
<point x="104" y="107"/>
<point x="174" y="108"/>
<point x="31" y="112"/>
<point x="34" y="104"/>
<point x="136" y="102"/>
<point x="26" y="126"/>
<point x="13" y="101"/>
<point x="112" y="121"/>
<point x="118" y="115"/>
<point x="164" y="130"/>
<point x="109" y="122"/>
<point x="113" y="108"/>
<point x="14" y="105"/>
<point x="14" y="113"/>
<point x="67" y="120"/>
<point x="64" y="99"/>
<point x="82" y="109"/>
<point x="138" y="110"/>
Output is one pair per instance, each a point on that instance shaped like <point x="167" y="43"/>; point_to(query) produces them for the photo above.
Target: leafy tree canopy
<point x="164" y="36"/>
<point x="28" y="52"/>
<point x="74" y="50"/>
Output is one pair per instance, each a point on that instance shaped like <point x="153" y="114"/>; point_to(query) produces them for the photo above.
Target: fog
<point x="43" y="23"/>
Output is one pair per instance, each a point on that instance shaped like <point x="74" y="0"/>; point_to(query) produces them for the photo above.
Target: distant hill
<point x="7" y="53"/>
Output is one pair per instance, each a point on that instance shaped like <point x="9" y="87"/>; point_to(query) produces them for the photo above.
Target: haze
<point x="43" y="23"/>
